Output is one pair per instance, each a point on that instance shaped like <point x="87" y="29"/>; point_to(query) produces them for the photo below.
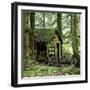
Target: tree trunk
<point x="74" y="27"/>
<point x="25" y="29"/>
<point x="26" y="50"/>
<point x="32" y="28"/>
<point x="43" y="20"/>
<point x="59" y="27"/>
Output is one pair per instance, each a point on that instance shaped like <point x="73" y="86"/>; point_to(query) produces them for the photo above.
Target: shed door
<point x="41" y="50"/>
<point x="57" y="50"/>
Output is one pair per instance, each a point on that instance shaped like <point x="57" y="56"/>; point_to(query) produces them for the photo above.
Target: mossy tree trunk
<point x="32" y="28"/>
<point x="74" y="37"/>
<point x="25" y="28"/>
<point x="26" y="50"/>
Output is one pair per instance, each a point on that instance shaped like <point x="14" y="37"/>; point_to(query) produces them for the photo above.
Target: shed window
<point x="51" y="49"/>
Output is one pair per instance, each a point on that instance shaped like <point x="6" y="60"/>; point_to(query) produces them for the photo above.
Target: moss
<point x="42" y="70"/>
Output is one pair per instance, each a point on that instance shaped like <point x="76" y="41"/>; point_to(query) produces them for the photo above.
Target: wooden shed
<point x="48" y="44"/>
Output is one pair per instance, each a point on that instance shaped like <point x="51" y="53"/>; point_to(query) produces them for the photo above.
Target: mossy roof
<point x="45" y="35"/>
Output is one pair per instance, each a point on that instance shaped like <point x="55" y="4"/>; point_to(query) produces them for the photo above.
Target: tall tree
<point x="25" y="27"/>
<point x="59" y="23"/>
<point x="43" y="20"/>
<point x="74" y="36"/>
<point x="31" y="36"/>
<point x="59" y="27"/>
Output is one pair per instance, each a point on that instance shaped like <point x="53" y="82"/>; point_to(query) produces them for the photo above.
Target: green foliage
<point x="71" y="70"/>
<point x="42" y="70"/>
<point x="67" y="49"/>
<point x="50" y="18"/>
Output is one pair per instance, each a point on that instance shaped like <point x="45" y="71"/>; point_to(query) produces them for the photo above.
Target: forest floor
<point x="45" y="70"/>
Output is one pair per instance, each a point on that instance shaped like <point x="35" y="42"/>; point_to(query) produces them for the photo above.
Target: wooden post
<point x="58" y="51"/>
<point x="61" y="50"/>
